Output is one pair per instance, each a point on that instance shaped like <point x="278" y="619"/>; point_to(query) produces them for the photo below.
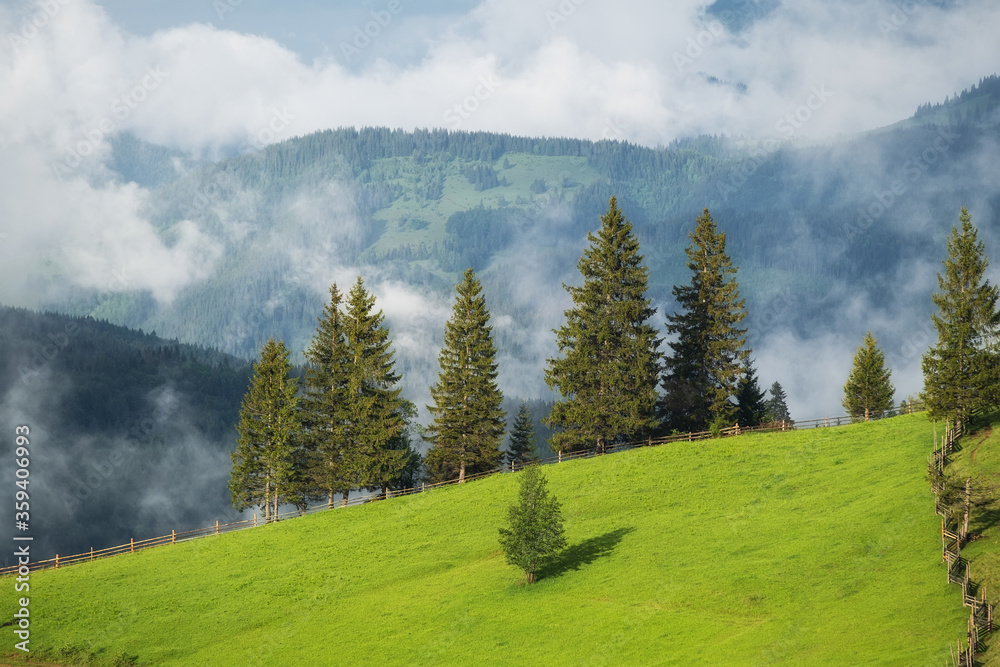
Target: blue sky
<point x="311" y="29"/>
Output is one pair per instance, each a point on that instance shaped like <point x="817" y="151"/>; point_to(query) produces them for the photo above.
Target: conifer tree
<point x="522" y="437"/>
<point x="751" y="409"/>
<point x="960" y="371"/>
<point x="468" y="422"/>
<point x="412" y="470"/>
<point x="324" y="402"/>
<point x="611" y="361"/>
<point x="702" y="373"/>
<point x="535" y="534"/>
<point x="868" y="391"/>
<point x="777" y="409"/>
<point x="374" y="411"/>
<point x="264" y="460"/>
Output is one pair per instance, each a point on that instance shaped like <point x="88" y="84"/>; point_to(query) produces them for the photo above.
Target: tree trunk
<point x="267" y="499"/>
<point x="530" y="576"/>
<point x="461" y="471"/>
<point x="343" y="499"/>
<point x="329" y="500"/>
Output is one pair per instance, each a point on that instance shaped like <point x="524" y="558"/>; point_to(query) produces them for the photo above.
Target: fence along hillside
<point x="954" y="536"/>
<point x="137" y="545"/>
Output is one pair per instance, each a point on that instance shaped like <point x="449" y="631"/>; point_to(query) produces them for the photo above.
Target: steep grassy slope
<point x="815" y="547"/>
<point x="979" y="459"/>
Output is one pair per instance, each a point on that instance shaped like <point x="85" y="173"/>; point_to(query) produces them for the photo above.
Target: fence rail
<point x="954" y="536"/>
<point x="219" y="528"/>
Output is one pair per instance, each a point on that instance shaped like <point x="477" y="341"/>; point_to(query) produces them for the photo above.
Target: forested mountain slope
<point x="826" y="236"/>
<point x="130" y="432"/>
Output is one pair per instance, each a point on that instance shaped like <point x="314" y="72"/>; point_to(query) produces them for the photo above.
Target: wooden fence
<point x="954" y="536"/>
<point x="219" y="528"/>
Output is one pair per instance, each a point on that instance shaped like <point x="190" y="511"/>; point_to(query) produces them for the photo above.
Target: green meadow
<point x="978" y="458"/>
<point x="816" y="547"/>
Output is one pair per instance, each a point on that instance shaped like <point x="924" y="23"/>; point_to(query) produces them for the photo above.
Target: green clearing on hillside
<point x="564" y="176"/>
<point x="812" y="547"/>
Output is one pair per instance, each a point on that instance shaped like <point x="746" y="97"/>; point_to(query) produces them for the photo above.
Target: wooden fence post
<point x="173" y="537"/>
<point x="131" y="542"/>
<point x="91" y="553"/>
<point x="254" y="519"/>
<point x="560" y="456"/>
<point x="216" y="526"/>
<point x="965" y="521"/>
<point x="57" y="561"/>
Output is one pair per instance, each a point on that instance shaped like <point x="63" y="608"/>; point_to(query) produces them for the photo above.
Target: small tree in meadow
<point x="535" y="534"/>
<point x="868" y="391"/>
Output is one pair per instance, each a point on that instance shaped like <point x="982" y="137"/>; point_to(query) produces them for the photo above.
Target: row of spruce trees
<point x="345" y="426"/>
<point x="962" y="370"/>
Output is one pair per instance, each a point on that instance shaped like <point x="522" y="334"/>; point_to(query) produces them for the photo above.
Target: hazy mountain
<point x="831" y="238"/>
<point x="129" y="432"/>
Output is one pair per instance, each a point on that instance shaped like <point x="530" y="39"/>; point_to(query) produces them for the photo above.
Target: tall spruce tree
<point x="868" y="391"/>
<point x="324" y="403"/>
<point x="611" y="361"/>
<point x="468" y="422"/>
<point x="777" y="409"/>
<point x="521" y="448"/>
<point x="374" y="411"/>
<point x="751" y="409"/>
<point x="960" y="371"/>
<point x="263" y="471"/>
<point x="702" y="373"/>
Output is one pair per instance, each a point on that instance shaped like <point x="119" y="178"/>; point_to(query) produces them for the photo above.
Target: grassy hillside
<point x="979" y="459"/>
<point x="815" y="547"/>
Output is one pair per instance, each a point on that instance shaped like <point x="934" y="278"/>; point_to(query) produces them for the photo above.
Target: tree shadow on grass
<point x="576" y="556"/>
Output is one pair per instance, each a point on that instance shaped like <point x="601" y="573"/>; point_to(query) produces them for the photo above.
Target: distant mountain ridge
<point x="130" y="432"/>
<point x="813" y="228"/>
